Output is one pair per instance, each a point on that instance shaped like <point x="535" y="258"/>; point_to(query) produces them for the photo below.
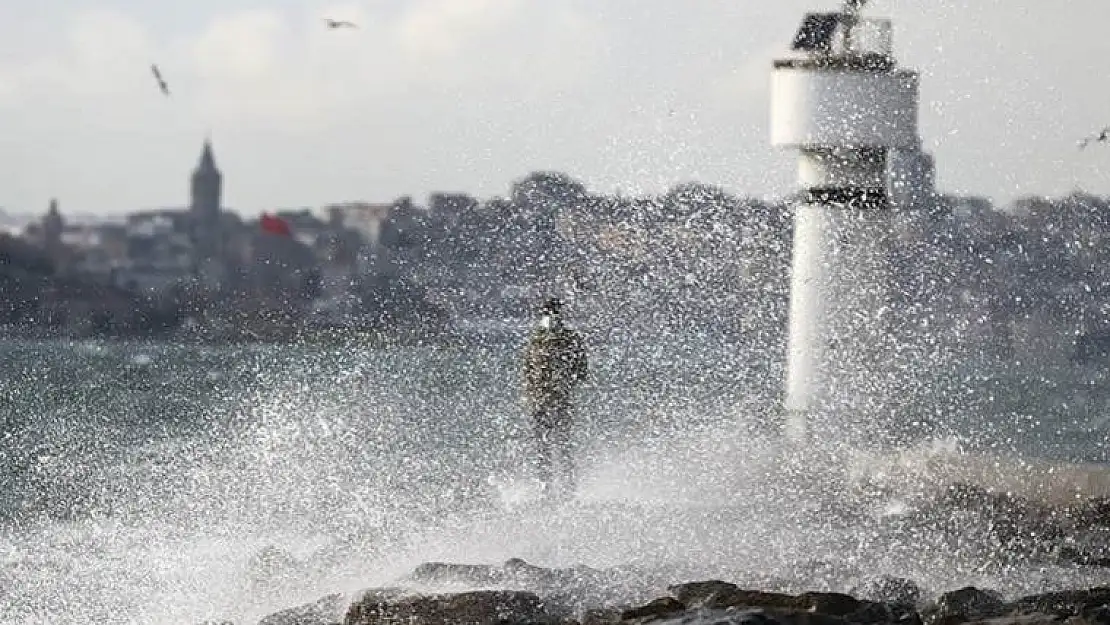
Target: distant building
<point x="368" y="220"/>
<point x="365" y="218"/>
<point x="911" y="179"/>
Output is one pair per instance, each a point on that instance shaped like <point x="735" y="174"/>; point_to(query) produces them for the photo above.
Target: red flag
<point x="274" y="225"/>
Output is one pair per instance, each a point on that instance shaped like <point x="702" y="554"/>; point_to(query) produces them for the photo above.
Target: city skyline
<point x="444" y="95"/>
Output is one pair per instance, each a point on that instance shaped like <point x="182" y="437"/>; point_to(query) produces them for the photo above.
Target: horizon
<point x="422" y="201"/>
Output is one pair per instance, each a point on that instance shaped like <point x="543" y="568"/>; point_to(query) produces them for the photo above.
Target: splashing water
<point x="231" y="483"/>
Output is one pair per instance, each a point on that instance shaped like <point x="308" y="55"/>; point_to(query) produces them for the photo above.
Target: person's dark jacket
<point x="554" y="363"/>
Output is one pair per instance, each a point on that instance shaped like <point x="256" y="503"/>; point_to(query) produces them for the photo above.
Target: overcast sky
<point x="468" y="95"/>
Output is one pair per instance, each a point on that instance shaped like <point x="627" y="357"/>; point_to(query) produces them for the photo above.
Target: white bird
<point x="161" y="83"/>
<point x="1102" y="135"/>
<point x="339" y="23"/>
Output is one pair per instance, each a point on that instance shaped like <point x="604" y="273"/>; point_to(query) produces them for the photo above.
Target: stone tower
<point x="52" y="228"/>
<point x="204" y="210"/>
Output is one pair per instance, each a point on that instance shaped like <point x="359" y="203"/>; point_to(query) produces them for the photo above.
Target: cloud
<point x="265" y="67"/>
<point x="442" y="29"/>
<point x="98" y="49"/>
<point x="242" y="46"/>
<point x="276" y="84"/>
<point x="468" y="94"/>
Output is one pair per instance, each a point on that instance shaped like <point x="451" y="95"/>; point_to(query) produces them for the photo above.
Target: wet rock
<point x="963" y="605"/>
<point x="481" y="607"/>
<point x="1026" y="619"/>
<point x="1065" y="603"/>
<point x="723" y="617"/>
<point x="802" y="617"/>
<point x="872" y="613"/>
<point x="896" y="591"/>
<point x="1097" y="616"/>
<point x="602" y="616"/>
<point x="695" y="593"/>
<point x="833" y="603"/>
<point x="662" y="607"/>
<point x="716" y="594"/>
<point x="326" y="611"/>
<point x="577" y="588"/>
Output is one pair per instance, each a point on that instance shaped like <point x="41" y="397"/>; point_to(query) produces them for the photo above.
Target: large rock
<point x="964" y="605"/>
<point x="896" y="591"/>
<point x="579" y="587"/>
<point x="716" y="594"/>
<point x="481" y="607"/>
<point x="1065" y="603"/>
<point x="661" y="607"/>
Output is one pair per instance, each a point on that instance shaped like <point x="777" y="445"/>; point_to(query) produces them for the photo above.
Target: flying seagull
<point x="1103" y="135"/>
<point x="161" y="83"/>
<point x="339" y="23"/>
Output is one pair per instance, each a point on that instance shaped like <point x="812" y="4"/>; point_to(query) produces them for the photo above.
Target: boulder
<point x="662" y="607"/>
<point x="715" y="594"/>
<point x="724" y="617"/>
<point x="579" y="587"/>
<point x="895" y="591"/>
<point x="1065" y="603"/>
<point x="481" y="607"/>
<point x="963" y="605"/>
<point x="832" y="603"/>
<point x="602" y="616"/>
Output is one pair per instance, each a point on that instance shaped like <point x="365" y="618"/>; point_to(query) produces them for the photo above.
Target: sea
<point x="155" y="483"/>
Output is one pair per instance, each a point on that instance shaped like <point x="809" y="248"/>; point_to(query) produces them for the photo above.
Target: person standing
<point x="555" y="364"/>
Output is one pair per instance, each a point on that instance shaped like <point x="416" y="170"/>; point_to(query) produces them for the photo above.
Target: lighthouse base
<point x="840" y="369"/>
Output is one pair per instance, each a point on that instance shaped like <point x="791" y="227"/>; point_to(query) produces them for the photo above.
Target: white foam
<point x="517" y="492"/>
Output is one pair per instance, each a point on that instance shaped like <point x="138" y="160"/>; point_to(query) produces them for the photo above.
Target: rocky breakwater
<point x="881" y="601"/>
<point x="517" y="592"/>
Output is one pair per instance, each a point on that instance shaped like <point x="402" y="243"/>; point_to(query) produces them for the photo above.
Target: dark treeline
<point x="695" y="254"/>
<point x="973" y="276"/>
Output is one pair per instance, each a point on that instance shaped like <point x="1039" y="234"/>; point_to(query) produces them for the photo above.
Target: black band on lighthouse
<point x="860" y="198"/>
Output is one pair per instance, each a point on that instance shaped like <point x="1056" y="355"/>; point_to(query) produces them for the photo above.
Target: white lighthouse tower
<point x="841" y="100"/>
